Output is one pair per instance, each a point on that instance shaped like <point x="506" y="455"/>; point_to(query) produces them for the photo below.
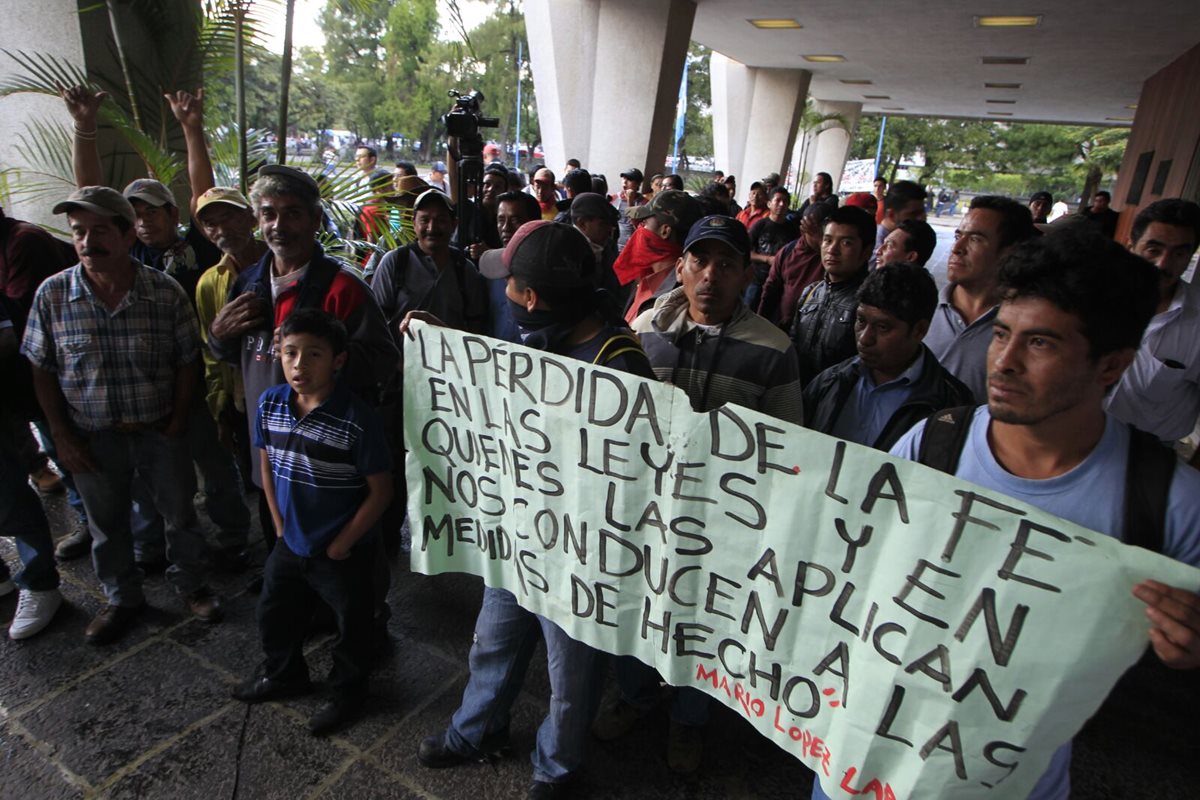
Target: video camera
<point x="464" y="121"/>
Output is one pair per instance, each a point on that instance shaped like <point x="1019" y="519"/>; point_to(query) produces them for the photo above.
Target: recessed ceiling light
<point x="1000" y="113"/>
<point x="990" y="85"/>
<point x="825" y="59"/>
<point x="774" y="24"/>
<point x="1009" y="21"/>
<point x="1002" y="102"/>
<point x="1009" y="60"/>
<point x="1132" y="106"/>
<point x="892" y="108"/>
<point x="1119" y="119"/>
<point x="856" y="82"/>
<point x="877" y="97"/>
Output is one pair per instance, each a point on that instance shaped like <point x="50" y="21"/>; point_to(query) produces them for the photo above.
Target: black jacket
<point x="823" y="325"/>
<point x="936" y="389"/>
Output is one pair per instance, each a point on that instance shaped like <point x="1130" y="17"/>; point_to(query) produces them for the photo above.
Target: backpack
<point x="1148" y="472"/>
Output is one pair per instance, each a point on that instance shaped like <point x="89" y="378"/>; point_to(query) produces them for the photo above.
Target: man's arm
<point x="189" y="110"/>
<point x="268" y="487"/>
<point x="187" y="378"/>
<point x="379" y="497"/>
<point x="73" y="452"/>
<point x="84" y="106"/>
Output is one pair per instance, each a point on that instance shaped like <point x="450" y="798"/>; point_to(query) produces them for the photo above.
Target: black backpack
<point x="1147" y="477"/>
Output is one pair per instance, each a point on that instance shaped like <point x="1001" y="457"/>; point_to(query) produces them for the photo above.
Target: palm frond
<point x="41" y="73"/>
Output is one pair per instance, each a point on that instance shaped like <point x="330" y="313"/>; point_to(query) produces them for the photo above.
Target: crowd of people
<point x="237" y="348"/>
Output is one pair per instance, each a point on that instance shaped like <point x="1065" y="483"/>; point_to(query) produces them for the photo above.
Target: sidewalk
<point x="151" y="717"/>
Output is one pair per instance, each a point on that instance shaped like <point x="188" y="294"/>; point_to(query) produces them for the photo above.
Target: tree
<point x="697" y="137"/>
<point x="354" y="61"/>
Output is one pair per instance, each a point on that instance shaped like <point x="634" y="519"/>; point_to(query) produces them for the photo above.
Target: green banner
<point x="890" y="626"/>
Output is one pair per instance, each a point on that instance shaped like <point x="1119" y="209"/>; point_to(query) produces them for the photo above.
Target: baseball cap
<point x="222" y="194"/>
<point x="633" y="174"/>
<point x="591" y="204"/>
<point x="672" y="206"/>
<point x="772" y="177"/>
<point x="546" y="255"/>
<point x="497" y="168"/>
<point x="100" y="200"/>
<point x="412" y="185"/>
<point x="720" y="228"/>
<point x="863" y="200"/>
<point x="298" y="175"/>
<point x="438" y="166"/>
<point x="150" y="191"/>
<point x="433" y="196"/>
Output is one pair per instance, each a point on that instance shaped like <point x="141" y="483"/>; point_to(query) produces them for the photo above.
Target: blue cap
<point x="439" y="166"/>
<point x="721" y="228"/>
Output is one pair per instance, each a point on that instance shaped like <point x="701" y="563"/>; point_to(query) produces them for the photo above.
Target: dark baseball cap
<point x="720" y="228"/>
<point x="634" y="174"/>
<point x="544" y="254"/>
<point x="100" y="200"/>
<point x="150" y="191"/>
<point x="591" y="204"/>
<point x="298" y="175"/>
<point x="672" y="206"/>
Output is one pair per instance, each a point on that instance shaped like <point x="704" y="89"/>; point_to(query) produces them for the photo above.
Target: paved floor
<point x="151" y="717"/>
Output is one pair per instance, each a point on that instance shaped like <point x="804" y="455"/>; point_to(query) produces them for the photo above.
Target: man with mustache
<point x="698" y="331"/>
<point x="115" y="352"/>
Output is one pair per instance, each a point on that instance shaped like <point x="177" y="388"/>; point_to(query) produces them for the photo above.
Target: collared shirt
<point x="222" y="380"/>
<point x="319" y="462"/>
<point x="870" y="407"/>
<point x="113" y="366"/>
<point x="961" y="348"/>
<point x="1160" y="391"/>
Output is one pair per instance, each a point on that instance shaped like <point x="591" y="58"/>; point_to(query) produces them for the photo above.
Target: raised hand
<point x="83" y="104"/>
<point x="188" y="108"/>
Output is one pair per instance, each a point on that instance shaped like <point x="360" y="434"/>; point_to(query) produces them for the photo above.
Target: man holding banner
<point x="1072" y="313"/>
<point x="551" y="274"/>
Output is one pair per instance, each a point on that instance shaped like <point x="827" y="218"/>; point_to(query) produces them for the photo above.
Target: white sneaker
<point x="34" y="612"/>
<point x="7" y="587"/>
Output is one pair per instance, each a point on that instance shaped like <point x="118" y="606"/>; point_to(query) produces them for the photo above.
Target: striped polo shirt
<point x="319" y="463"/>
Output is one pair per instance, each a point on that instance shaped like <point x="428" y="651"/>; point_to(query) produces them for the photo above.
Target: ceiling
<point x="1087" y="60"/>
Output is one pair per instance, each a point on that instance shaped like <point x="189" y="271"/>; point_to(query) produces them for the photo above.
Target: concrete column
<point x="607" y="76"/>
<point x="833" y="143"/>
<point x="755" y="114"/>
<point x="732" y="88"/>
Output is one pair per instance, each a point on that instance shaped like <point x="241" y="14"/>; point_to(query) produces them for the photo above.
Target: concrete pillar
<point x="755" y="114"/>
<point x="833" y="144"/>
<point x="607" y="76"/>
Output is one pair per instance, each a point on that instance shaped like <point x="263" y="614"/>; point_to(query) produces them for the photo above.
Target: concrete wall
<point x="832" y="144"/>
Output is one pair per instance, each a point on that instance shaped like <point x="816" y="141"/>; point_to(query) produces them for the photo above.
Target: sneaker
<point x="47" y="481"/>
<point x="685" y="747"/>
<point x="75" y="544"/>
<point x="616" y="719"/>
<point x="204" y="605"/>
<point x="7" y="587"/>
<point x="34" y="612"/>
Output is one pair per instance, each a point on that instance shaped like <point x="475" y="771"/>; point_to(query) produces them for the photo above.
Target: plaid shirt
<point x="113" y="366"/>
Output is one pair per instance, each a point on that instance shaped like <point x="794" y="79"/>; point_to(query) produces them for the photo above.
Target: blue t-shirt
<point x="1092" y="495"/>
<point x="320" y="463"/>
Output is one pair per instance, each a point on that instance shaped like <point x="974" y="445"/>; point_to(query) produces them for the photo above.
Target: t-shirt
<point x="320" y="462"/>
<point x="768" y="236"/>
<point x="1092" y="495"/>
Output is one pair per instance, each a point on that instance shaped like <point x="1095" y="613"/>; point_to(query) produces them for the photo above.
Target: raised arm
<point x="189" y="110"/>
<point x="84" y="105"/>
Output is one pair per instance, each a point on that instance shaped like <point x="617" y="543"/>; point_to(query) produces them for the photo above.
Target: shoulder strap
<point x="944" y="437"/>
<point x="616" y="346"/>
<point x="1148" y="474"/>
<point x="316" y="283"/>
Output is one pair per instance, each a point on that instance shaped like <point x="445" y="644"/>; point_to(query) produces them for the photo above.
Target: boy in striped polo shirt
<point x="326" y="472"/>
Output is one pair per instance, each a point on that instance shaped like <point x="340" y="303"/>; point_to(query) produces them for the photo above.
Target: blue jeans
<point x="222" y="493"/>
<point x="23" y="518"/>
<point x="505" y="637"/>
<point x="165" y="469"/>
<point x="639" y="687"/>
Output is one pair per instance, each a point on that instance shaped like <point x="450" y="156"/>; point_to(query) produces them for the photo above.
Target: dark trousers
<point x="23" y="518"/>
<point x="292" y="586"/>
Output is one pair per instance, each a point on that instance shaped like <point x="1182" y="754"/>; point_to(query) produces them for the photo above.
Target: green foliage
<point x="1015" y="159"/>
